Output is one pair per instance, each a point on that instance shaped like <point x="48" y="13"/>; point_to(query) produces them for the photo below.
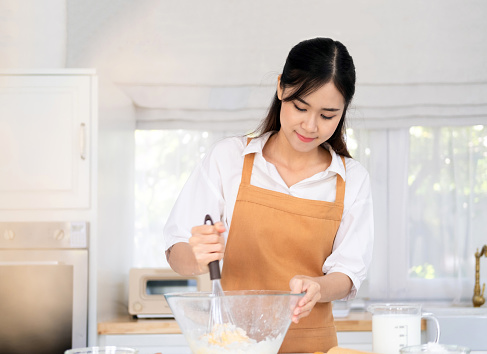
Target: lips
<point x="304" y="139"/>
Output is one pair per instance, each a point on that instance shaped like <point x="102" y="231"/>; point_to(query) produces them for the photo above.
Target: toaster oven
<point x="147" y="287"/>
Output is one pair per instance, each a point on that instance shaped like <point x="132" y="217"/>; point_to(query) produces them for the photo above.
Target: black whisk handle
<point x="215" y="265"/>
<point x="214" y="270"/>
<point x="208" y="218"/>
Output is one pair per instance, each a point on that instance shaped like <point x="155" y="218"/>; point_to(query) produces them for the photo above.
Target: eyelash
<point x="304" y="110"/>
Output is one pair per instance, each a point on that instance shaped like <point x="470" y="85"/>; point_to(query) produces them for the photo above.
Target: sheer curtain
<point x="164" y="159"/>
<point x="447" y="199"/>
<point x="430" y="204"/>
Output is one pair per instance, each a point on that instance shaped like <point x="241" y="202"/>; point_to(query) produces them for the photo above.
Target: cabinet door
<point x="45" y="130"/>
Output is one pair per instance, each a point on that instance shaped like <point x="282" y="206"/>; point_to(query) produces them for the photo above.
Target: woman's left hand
<point x="300" y="284"/>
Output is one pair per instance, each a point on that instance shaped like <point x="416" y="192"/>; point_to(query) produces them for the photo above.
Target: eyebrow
<point x="323" y="109"/>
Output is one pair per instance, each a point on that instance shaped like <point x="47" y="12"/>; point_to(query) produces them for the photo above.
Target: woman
<point x="298" y="208"/>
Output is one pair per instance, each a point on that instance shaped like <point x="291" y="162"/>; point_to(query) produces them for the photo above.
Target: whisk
<point x="219" y="313"/>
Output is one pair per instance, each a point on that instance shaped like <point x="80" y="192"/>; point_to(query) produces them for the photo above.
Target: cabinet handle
<point x="82" y="141"/>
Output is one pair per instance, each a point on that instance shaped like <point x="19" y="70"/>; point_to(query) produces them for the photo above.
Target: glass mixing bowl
<point x="255" y="321"/>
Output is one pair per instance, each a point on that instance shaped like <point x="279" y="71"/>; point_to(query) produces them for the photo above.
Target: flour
<point x="227" y="338"/>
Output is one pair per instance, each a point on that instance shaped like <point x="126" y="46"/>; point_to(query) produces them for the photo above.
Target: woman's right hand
<point x="207" y="244"/>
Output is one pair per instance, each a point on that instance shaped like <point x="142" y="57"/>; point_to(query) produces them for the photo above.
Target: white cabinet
<point x="148" y="343"/>
<point x="47" y="123"/>
<point x="356" y="340"/>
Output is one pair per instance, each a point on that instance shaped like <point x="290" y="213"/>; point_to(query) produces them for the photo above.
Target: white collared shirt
<point x="213" y="186"/>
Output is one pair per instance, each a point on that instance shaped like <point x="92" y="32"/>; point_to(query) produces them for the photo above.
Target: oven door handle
<point x="16" y="263"/>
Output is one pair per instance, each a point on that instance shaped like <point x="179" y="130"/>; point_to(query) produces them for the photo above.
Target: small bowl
<point x="102" y="350"/>
<point x="435" y="348"/>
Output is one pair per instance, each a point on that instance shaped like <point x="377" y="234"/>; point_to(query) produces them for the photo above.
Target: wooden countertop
<point x="355" y="322"/>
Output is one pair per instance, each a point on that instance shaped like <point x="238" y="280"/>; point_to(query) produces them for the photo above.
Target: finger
<point x="302" y="314"/>
<point x="305" y="308"/>
<point x="204" y="230"/>
<point x="296" y="318"/>
<point x="307" y="302"/>
<point x="296" y="285"/>
<point x="210" y="247"/>
<point x="219" y="227"/>
<point x="308" y="296"/>
<point x="207" y="253"/>
<point x="206" y="239"/>
<point x="205" y="258"/>
<point x="303" y="311"/>
<point x="312" y="293"/>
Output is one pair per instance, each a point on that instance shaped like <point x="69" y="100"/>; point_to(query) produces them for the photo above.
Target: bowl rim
<point x="394" y="306"/>
<point x="233" y="293"/>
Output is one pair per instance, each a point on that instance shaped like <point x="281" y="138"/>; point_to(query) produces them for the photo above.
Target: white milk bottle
<point x="395" y="326"/>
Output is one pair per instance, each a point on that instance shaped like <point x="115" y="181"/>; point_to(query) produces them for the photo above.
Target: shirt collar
<point x="256" y="145"/>
<point x="336" y="164"/>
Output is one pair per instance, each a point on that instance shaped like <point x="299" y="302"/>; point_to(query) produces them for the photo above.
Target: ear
<point x="279" y="89"/>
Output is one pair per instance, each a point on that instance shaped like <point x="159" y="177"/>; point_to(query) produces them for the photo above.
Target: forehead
<point x="327" y="94"/>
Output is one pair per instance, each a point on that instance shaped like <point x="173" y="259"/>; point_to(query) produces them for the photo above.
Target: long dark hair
<point x="311" y="64"/>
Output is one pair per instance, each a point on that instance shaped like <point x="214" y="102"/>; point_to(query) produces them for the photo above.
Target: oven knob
<point x="9" y="234"/>
<point x="138" y="306"/>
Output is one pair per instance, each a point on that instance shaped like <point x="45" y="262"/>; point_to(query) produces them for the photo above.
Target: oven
<point x="44" y="287"/>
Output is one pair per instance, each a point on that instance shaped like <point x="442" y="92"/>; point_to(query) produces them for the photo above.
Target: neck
<point x="278" y="151"/>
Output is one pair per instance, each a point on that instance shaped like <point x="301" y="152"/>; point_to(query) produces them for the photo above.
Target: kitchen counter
<point x="359" y="321"/>
<point x="354" y="322"/>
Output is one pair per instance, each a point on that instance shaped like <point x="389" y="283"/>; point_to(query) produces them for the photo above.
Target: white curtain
<point x="430" y="203"/>
<point x="447" y="201"/>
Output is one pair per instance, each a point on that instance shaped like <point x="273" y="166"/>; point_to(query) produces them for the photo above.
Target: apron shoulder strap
<point x="247" y="166"/>
<point x="340" y="188"/>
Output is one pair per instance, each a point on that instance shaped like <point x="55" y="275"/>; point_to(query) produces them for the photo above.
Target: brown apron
<point x="275" y="236"/>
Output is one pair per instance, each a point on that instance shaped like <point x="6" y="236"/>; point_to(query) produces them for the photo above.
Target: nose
<point x="309" y="123"/>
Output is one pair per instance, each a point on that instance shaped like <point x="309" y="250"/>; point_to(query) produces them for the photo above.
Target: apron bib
<point x="275" y="236"/>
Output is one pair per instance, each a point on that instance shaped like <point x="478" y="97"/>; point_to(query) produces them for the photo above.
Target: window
<point x="429" y="201"/>
<point x="430" y="198"/>
<point x="164" y="159"/>
<point x="447" y="204"/>
<point x="447" y="183"/>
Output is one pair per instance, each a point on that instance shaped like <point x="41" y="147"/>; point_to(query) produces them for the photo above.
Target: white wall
<point x="116" y="201"/>
<point x="215" y="42"/>
<point x="33" y="35"/>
